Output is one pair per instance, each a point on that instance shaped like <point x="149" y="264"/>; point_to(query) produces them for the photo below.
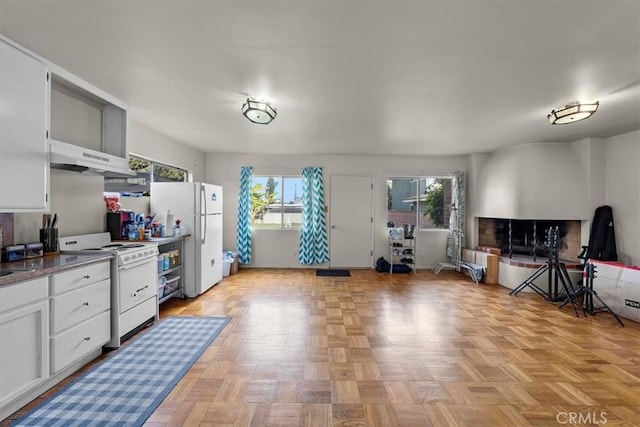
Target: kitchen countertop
<point x="163" y="240"/>
<point x="46" y="265"/>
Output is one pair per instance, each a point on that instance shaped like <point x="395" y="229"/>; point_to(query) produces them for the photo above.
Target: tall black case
<point x="602" y="241"/>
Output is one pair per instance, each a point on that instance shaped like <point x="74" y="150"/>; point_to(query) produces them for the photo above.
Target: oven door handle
<point x="142" y="288"/>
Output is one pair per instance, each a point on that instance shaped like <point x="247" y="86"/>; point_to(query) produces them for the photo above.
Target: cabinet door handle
<point x="86" y="303"/>
<point x="87" y="339"/>
<point x="141" y="289"/>
<point x="86" y="276"/>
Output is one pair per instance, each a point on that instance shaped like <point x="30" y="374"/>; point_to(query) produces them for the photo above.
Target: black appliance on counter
<point x="118" y="224"/>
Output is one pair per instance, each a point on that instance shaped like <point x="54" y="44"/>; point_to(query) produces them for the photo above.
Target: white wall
<point x="148" y="143"/>
<point x="623" y="193"/>
<point x="74" y="121"/>
<point x="273" y="248"/>
<point x="475" y="166"/>
<point x="78" y="201"/>
<point x="592" y="154"/>
<point x="533" y="181"/>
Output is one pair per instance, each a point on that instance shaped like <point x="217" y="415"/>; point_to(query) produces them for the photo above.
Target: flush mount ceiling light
<point x="258" y="111"/>
<point x="572" y="113"/>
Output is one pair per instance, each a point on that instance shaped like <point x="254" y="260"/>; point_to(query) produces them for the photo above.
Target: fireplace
<point x="526" y="238"/>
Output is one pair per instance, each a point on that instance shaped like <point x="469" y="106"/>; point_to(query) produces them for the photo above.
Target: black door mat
<point x="333" y="273"/>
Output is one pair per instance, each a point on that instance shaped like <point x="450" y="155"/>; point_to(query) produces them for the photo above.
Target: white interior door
<point x="351" y="222"/>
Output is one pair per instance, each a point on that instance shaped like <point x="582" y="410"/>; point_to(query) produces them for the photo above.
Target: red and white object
<point x="619" y="287"/>
<point x="133" y="280"/>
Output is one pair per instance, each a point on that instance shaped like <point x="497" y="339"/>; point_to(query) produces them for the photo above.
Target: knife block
<point x="49" y="239"/>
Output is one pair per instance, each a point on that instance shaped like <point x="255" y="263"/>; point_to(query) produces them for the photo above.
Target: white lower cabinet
<point x="74" y="343"/>
<point x="24" y="336"/>
<point x="72" y="308"/>
<point x="49" y="328"/>
<point x="80" y="313"/>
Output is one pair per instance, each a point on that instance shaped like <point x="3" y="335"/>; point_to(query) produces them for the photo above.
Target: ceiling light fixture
<point x="572" y="113"/>
<point x="258" y="111"/>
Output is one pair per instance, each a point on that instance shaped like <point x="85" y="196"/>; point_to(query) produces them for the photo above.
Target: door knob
<point x="333" y="226"/>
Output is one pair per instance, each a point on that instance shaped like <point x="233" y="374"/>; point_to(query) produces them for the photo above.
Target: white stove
<point x="133" y="280"/>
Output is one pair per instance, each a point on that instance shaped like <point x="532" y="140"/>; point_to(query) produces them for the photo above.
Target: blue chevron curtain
<point x="243" y="231"/>
<point x="314" y="246"/>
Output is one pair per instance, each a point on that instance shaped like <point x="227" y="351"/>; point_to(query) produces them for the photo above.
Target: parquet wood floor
<point x="376" y="349"/>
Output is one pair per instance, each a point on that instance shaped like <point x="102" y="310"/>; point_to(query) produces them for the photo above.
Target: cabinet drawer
<point x="80" y="340"/>
<point x="22" y="293"/>
<point x="79" y="305"/>
<point x="78" y="277"/>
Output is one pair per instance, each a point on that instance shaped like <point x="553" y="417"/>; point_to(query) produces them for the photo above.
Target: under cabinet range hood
<point x="84" y="160"/>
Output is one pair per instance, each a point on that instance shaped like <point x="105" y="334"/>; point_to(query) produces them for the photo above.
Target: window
<point x="276" y="202"/>
<point x="146" y="171"/>
<point x="422" y="201"/>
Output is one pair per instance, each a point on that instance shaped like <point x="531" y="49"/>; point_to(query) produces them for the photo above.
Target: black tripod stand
<point x="553" y="265"/>
<point x="586" y="291"/>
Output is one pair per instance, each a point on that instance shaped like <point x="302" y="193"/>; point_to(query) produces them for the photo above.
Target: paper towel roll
<point x="168" y="223"/>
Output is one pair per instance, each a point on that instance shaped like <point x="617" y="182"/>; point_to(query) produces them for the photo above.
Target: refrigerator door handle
<point x="203" y="200"/>
<point x="204" y="236"/>
<point x="203" y="205"/>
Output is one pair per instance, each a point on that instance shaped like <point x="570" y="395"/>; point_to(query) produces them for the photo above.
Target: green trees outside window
<point x="421" y="201"/>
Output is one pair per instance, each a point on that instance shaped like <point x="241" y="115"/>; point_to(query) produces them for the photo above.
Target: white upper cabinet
<point x="24" y="121"/>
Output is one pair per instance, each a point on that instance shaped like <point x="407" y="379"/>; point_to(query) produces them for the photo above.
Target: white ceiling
<point x="424" y="77"/>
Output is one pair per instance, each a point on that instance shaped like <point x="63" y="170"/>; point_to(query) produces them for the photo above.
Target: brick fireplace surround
<point x="493" y="233"/>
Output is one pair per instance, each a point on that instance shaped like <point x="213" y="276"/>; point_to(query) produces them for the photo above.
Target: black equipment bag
<point x="382" y="265"/>
<point x="602" y="240"/>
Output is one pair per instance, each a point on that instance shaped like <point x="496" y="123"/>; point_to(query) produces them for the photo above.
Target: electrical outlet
<point x="422" y="256"/>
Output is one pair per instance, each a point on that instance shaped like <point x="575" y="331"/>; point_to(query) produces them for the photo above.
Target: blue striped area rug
<point x="124" y="389"/>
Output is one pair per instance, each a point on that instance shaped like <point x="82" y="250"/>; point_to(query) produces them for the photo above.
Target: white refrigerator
<point x="198" y="206"/>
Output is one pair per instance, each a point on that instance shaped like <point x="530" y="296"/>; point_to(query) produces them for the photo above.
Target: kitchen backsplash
<point x="6" y="224"/>
<point x="76" y="198"/>
<point x="136" y="204"/>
